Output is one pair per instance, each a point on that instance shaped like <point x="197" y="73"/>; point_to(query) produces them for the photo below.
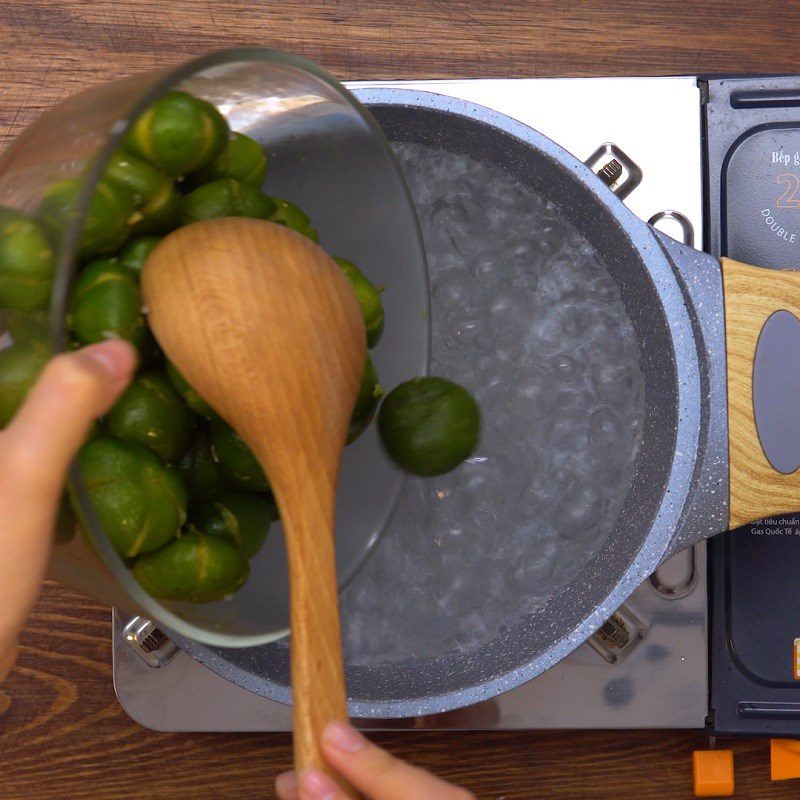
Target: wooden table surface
<point x="62" y="734"/>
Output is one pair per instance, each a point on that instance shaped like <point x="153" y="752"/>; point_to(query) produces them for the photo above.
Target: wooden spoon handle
<point x="318" y="690"/>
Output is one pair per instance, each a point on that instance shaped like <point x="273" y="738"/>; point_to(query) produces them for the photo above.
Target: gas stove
<point x="648" y="666"/>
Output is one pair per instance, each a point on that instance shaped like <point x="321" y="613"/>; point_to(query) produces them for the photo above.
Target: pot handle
<point x="762" y="332"/>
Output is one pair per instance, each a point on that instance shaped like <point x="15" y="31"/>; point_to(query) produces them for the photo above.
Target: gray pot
<point x="680" y="492"/>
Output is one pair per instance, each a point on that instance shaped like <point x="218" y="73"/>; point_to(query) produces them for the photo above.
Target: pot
<point x="720" y="440"/>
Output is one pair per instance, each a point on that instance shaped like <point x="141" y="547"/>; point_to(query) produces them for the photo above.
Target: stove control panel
<point x="761" y="180"/>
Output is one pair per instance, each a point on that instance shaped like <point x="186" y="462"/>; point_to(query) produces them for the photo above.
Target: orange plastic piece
<point x="713" y="773"/>
<point x="784" y="759"/>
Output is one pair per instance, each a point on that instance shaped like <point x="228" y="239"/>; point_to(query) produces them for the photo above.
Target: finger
<point x="286" y="786"/>
<point x="35" y="451"/>
<point x="72" y="390"/>
<point x="378" y="773"/>
<point x="316" y="785"/>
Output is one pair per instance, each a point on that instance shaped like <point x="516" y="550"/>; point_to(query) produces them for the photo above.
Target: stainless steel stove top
<point x="648" y="666"/>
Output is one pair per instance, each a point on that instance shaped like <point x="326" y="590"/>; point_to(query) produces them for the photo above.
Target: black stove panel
<point x="761" y="195"/>
<point x="752" y="129"/>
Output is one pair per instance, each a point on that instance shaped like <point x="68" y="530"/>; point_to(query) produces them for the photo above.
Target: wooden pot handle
<point x="752" y="296"/>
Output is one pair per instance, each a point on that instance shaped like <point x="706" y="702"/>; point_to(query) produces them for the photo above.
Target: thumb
<point x="73" y="389"/>
<point x="35" y="451"/>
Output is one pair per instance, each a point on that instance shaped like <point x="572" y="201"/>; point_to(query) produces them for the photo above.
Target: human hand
<point x="373" y="771"/>
<point x="35" y="451"/>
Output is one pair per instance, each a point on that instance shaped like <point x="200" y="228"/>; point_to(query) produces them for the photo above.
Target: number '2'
<point x="789" y="199"/>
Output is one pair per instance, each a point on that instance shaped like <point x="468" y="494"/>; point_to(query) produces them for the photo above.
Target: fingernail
<point x="116" y="358"/>
<point x="286" y="783"/>
<point x="316" y="785"/>
<point x="343" y="737"/>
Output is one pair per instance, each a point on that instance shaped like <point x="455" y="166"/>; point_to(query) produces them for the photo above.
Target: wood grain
<point x="752" y="295"/>
<point x="51" y="49"/>
<point x="267" y="328"/>
<point x="63" y="736"/>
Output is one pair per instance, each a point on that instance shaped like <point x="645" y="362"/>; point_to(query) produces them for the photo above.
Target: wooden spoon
<point x="264" y="325"/>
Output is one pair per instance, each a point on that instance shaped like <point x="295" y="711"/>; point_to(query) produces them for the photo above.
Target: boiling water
<point x="526" y="317"/>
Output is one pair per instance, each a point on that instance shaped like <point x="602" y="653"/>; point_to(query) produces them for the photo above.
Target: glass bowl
<point x="327" y="155"/>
